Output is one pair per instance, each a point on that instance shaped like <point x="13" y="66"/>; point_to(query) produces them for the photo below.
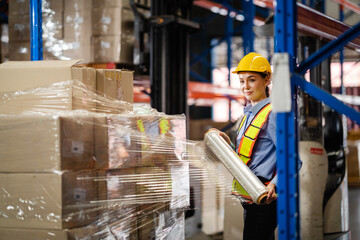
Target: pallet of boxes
<point x="78" y="162"/>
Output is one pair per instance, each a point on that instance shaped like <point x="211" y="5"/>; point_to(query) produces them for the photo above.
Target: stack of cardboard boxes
<point x="113" y="31"/>
<point x="68" y="174"/>
<point x="95" y="31"/>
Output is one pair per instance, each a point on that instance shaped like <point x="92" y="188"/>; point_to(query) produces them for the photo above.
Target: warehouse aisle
<point x="354" y="212"/>
<point x="354" y="219"/>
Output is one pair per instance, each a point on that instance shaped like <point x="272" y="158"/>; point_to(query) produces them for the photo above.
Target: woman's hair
<point x="264" y="75"/>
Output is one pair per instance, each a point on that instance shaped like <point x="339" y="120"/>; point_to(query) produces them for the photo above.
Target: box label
<point x="79" y="195"/>
<point x="77" y="147"/>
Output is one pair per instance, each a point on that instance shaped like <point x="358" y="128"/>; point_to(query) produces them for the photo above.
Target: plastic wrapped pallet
<point x="137" y="188"/>
<point x="46" y="142"/>
<point x="40" y="86"/>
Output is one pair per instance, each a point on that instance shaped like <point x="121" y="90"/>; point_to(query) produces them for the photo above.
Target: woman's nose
<point x="246" y="85"/>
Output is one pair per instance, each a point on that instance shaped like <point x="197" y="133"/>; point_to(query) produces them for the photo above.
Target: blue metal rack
<point x="36" y="30"/>
<point x="287" y="152"/>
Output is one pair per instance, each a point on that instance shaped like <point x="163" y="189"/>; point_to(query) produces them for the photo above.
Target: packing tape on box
<point x="230" y="159"/>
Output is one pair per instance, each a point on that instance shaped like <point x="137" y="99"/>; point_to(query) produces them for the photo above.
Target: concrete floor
<point x="354" y="221"/>
<point x="354" y="213"/>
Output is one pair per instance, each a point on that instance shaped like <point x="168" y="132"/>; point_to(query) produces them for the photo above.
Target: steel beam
<point x="36" y="30"/>
<point x="326" y="98"/>
<point x="247" y="26"/>
<point x="329" y="49"/>
<point x="286" y="149"/>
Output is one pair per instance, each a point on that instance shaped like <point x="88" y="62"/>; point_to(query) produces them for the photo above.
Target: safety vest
<point x="246" y="146"/>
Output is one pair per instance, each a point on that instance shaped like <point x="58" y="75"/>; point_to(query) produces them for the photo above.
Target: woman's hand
<point x="222" y="134"/>
<point x="271" y="193"/>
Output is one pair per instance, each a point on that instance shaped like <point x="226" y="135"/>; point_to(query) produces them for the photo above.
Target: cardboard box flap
<point x="42" y="64"/>
<point x="24" y="75"/>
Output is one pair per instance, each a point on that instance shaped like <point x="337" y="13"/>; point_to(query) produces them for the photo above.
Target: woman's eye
<point x="252" y="80"/>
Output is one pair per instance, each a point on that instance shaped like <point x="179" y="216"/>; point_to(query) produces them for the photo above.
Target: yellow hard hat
<point x="253" y="62"/>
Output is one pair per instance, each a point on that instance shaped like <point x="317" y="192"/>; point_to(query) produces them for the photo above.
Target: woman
<point x="256" y="146"/>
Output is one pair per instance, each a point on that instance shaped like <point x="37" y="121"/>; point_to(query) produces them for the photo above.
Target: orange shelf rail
<point x="196" y="90"/>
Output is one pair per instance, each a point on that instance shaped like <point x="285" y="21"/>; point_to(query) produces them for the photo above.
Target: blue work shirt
<point x="263" y="160"/>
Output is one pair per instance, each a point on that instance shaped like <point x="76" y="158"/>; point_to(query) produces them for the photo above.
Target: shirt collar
<point x="255" y="109"/>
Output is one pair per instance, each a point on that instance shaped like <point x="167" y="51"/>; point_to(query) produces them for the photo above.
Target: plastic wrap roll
<point x="247" y="179"/>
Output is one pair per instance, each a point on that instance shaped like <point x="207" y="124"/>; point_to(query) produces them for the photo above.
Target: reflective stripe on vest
<point x="247" y="144"/>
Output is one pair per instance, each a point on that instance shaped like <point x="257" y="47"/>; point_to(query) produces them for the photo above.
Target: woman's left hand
<point x="271" y="193"/>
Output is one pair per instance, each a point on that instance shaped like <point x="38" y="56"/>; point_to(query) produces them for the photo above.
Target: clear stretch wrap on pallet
<point x="247" y="179"/>
<point x="78" y="160"/>
<point x="79" y="165"/>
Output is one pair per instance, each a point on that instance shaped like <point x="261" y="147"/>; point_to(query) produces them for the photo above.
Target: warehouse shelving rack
<point x="287" y="151"/>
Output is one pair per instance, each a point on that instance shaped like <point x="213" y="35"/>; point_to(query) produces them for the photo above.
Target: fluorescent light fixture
<point x="214" y="9"/>
<point x="240" y="17"/>
<point x="223" y="12"/>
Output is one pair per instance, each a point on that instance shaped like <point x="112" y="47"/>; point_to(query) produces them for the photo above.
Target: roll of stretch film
<point x="230" y="159"/>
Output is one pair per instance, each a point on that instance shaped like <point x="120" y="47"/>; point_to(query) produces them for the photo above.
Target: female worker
<point x="256" y="146"/>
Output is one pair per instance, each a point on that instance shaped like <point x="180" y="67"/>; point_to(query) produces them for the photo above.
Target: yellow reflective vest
<point x="246" y="146"/>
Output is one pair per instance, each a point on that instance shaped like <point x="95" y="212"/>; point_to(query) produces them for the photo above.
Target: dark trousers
<point x="259" y="221"/>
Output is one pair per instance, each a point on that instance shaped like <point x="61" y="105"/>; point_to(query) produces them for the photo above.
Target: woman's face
<point x="253" y="86"/>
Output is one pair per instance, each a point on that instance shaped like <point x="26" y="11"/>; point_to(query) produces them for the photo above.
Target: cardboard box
<point x="47" y="200"/>
<point x="52" y="26"/>
<point x="148" y="218"/>
<point x="78" y="50"/>
<point x="18" y="51"/>
<point x="41" y="234"/>
<point x="24" y="75"/>
<point x="110" y="3"/>
<point x="114" y="48"/>
<point x="153" y="186"/>
<point x="117" y="192"/>
<point x="78" y="5"/>
<point x="22" y="7"/>
<point x="117" y="84"/>
<point x="77" y="26"/>
<point x="158" y="135"/>
<point x="160" y="131"/>
<point x="115" y="146"/>
<point x="46" y="143"/>
<point x="64" y="96"/>
<point x="112" y="21"/>
<point x="118" y="185"/>
<point x="19" y="27"/>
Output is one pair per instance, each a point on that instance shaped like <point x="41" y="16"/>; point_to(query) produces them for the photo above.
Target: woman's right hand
<point x="223" y="135"/>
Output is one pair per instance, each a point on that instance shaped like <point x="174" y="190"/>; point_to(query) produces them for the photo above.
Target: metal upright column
<point x="247" y="26"/>
<point x="342" y="88"/>
<point x="36" y="30"/>
<point x="229" y="33"/>
<point x="287" y="150"/>
<point x="169" y="55"/>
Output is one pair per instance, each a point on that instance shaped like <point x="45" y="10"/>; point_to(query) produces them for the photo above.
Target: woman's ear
<point x="267" y="80"/>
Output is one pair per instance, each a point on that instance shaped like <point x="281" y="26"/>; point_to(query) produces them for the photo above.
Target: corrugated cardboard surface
<point x="27" y="76"/>
<point x="35" y="234"/>
<point x="45" y="143"/>
<point x="23" y="75"/>
<point x="111" y="3"/>
<point x="77" y="25"/>
<point x="112" y="48"/>
<point x="114" y="147"/>
<point x="117" y="84"/>
<point x="77" y="5"/>
<point x="47" y="200"/>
